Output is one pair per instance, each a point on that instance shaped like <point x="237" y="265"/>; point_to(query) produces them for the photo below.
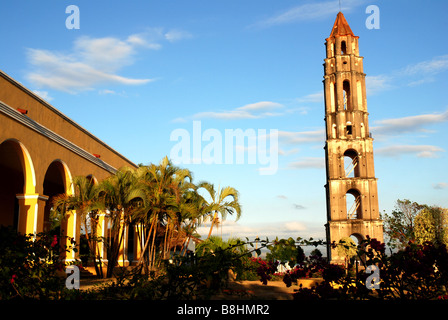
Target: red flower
<point x="55" y="241"/>
<point x="13" y="278"/>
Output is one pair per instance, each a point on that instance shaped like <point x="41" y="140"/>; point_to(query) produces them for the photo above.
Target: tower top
<point x="341" y="27"/>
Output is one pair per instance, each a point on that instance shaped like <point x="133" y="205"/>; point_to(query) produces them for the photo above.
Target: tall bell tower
<point x="351" y="189"/>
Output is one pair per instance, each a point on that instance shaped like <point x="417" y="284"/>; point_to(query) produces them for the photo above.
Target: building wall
<point x="40" y="141"/>
<point x="16" y="96"/>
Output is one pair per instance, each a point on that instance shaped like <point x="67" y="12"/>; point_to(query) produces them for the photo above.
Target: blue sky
<point x="136" y="71"/>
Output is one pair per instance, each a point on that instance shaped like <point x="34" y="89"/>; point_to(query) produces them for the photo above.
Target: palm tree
<point x="122" y="198"/>
<point x="86" y="204"/>
<point x="165" y="186"/>
<point x="224" y="201"/>
<point x="193" y="210"/>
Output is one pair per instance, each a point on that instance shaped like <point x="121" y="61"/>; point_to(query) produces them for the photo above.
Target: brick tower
<point x="351" y="189"/>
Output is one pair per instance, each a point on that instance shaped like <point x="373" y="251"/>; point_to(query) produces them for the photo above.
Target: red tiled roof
<point x="341" y="27"/>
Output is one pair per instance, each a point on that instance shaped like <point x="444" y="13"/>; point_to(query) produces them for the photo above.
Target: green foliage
<point x="399" y="225"/>
<point x="347" y="248"/>
<point x="418" y="272"/>
<point x="285" y="250"/>
<point x="431" y="224"/>
<point x="182" y="278"/>
<point x="29" y="266"/>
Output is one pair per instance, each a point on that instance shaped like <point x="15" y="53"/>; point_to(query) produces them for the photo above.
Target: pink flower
<point x="55" y="241"/>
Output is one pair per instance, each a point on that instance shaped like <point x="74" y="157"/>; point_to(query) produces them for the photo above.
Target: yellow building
<point x="41" y="149"/>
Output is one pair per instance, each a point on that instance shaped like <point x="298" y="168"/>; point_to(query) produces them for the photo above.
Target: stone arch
<point x="351" y="164"/>
<point x="92" y="178"/>
<point x="17" y="179"/>
<point x="57" y="180"/>
<point x="357" y="237"/>
<point x="353" y="200"/>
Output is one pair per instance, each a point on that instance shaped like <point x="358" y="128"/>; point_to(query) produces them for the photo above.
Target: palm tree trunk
<point x="152" y="249"/>
<point x="213" y="222"/>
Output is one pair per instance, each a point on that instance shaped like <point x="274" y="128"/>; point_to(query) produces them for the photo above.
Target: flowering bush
<point x="265" y="269"/>
<point x="29" y="266"/>
<point x="418" y="272"/>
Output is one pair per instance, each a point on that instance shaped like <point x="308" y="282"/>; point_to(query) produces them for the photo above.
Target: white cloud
<point x="261" y="106"/>
<point x="420" y="151"/>
<point x="256" y="110"/>
<point x="43" y="94"/>
<point x="177" y="35"/>
<point x="375" y="84"/>
<point x="107" y="91"/>
<point x="308" y="163"/>
<point x="411" y="75"/>
<point x="271" y="230"/>
<point x="440" y="185"/>
<point x="409" y="124"/>
<point x="433" y="66"/>
<point x="300" y="137"/>
<point x="93" y="61"/>
<point x="313" y="97"/>
<point x="309" y="11"/>
<point x="288" y="152"/>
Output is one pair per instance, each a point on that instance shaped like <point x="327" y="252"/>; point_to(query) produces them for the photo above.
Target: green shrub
<point x="29" y="266"/>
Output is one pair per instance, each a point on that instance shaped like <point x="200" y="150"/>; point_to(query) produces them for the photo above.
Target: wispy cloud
<point x="298" y="206"/>
<point x="420" y="151"/>
<point x="435" y="65"/>
<point x="93" y="61"/>
<point x="418" y="123"/>
<point x="177" y="35"/>
<point x="43" y="94"/>
<point x="283" y="152"/>
<point x="411" y="75"/>
<point x="440" y="185"/>
<point x="256" y="110"/>
<point x="309" y="11"/>
<point x="375" y="84"/>
<point x="286" y="229"/>
<point x="301" y="137"/>
<point x="308" y="163"/>
<point x="313" y="97"/>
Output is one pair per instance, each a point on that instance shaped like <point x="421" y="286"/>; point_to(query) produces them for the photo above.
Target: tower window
<point x="351" y="164"/>
<point x="343" y="48"/>
<point x="346" y="95"/>
<point x="349" y="129"/>
<point x="353" y="204"/>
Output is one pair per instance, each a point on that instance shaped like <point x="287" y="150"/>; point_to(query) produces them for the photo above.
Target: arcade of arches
<point x="40" y="151"/>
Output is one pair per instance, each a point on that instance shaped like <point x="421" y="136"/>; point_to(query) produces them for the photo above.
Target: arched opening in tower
<point x="351" y="163"/>
<point x="343" y="47"/>
<point x="353" y="204"/>
<point x="346" y="95"/>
